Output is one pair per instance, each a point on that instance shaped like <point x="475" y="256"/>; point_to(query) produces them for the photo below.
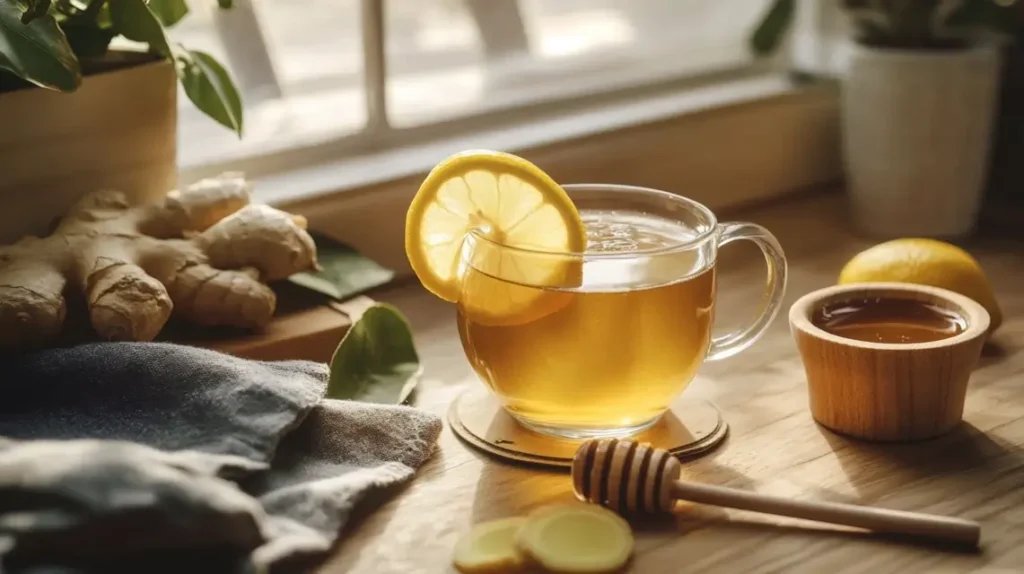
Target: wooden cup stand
<point x="692" y="427"/>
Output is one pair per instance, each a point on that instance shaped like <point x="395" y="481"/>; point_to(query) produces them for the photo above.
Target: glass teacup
<point x="601" y="343"/>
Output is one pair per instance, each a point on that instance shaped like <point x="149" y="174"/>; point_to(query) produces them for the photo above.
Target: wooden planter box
<point x="117" y="131"/>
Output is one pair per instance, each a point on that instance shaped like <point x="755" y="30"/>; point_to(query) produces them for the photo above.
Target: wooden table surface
<point x="774" y="446"/>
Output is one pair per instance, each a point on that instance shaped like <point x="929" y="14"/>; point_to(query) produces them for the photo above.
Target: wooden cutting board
<point x="305" y="328"/>
<point x="311" y="334"/>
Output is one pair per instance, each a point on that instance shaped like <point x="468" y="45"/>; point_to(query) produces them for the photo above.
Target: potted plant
<point x="919" y="97"/>
<point x="78" y="116"/>
<point x="1004" y="200"/>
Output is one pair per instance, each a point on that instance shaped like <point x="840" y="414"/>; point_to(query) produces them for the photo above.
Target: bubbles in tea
<point x="612" y="353"/>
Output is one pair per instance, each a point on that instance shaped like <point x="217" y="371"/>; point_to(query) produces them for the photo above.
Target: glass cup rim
<point x="687" y="245"/>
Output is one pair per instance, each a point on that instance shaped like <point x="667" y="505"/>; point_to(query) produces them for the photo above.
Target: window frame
<point x="378" y="136"/>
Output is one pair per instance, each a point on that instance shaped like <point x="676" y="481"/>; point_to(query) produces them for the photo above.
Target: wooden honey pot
<point x="888" y="361"/>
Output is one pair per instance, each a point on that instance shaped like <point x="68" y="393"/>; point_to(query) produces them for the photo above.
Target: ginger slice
<point x="576" y="538"/>
<point x="490" y="548"/>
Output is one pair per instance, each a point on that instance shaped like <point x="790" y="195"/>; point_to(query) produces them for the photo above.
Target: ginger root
<point x="202" y="253"/>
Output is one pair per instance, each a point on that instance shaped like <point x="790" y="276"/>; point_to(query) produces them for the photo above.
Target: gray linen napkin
<point x="158" y="457"/>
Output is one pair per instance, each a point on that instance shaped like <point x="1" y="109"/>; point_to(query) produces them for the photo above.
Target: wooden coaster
<point x="692" y="427"/>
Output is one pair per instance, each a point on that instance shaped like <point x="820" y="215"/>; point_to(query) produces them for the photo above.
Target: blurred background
<point x="301" y="64"/>
<point x="376" y="74"/>
<point x="913" y="106"/>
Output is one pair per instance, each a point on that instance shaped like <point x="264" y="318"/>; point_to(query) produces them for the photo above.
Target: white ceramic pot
<point x="917" y="132"/>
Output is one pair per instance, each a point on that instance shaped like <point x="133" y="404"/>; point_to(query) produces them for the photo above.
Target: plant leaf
<point x="134" y="20"/>
<point x="1002" y="17"/>
<point x="769" y="32"/>
<point x="345" y="272"/>
<point x="103" y="19"/>
<point x="210" y="88"/>
<point x="225" y="3"/>
<point x="36" y="9"/>
<point x="37" y="52"/>
<point x="376" y="361"/>
<point x="87" y="39"/>
<point x="170" y="12"/>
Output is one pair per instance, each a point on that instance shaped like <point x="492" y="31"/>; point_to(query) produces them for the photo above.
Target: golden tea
<point x="593" y="357"/>
<point x="889" y="320"/>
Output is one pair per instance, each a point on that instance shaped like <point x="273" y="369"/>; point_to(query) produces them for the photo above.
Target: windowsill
<point x="730" y="143"/>
<point x="363" y="171"/>
<point x="312" y="99"/>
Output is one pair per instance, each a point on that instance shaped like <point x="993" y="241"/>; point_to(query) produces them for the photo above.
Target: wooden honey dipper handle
<point x="869" y="518"/>
<point x="628" y="476"/>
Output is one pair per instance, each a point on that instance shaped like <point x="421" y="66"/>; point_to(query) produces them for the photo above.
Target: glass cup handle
<point x="729" y="344"/>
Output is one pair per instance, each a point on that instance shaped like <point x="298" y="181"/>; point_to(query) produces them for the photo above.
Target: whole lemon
<point x="926" y="262"/>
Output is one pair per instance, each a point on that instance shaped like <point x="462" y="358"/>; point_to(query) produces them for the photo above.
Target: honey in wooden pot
<point x="889" y="320"/>
<point x="888" y="361"/>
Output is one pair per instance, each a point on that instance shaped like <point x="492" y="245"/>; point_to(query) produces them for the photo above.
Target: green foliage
<point x="908" y="24"/>
<point x="209" y="87"/>
<point x="343" y="272"/>
<point x="35" y="9"/>
<point x="36" y="51"/>
<point x="135" y="20"/>
<point x="376" y="360"/>
<point x="170" y="12"/>
<point x="769" y="33"/>
<point x="46" y="43"/>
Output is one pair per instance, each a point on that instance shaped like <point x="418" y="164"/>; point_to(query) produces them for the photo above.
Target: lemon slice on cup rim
<point x="526" y="218"/>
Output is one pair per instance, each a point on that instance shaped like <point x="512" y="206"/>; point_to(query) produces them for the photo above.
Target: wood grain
<point x="117" y="131"/>
<point x="888" y="392"/>
<point x="310" y="333"/>
<point x="974" y="472"/>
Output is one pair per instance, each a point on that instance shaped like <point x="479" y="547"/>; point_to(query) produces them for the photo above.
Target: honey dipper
<point x="627" y="476"/>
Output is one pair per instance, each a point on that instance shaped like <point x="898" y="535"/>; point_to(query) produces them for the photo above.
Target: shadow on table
<point x="994" y="352"/>
<point x="965" y="448"/>
<point x="813" y="532"/>
<point x="512" y="490"/>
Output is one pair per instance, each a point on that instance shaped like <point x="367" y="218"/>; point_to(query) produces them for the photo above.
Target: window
<point x="373" y="74"/>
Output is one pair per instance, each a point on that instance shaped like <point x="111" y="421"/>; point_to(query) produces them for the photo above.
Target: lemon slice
<point x="577" y="538"/>
<point x="505" y="201"/>
<point x="490" y="547"/>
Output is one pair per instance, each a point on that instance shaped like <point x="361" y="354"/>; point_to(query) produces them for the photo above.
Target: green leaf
<point x="134" y="20"/>
<point x="225" y="3"/>
<point x="37" y="52"/>
<point x="170" y="12"/>
<point x="103" y="19"/>
<point x="344" y="271"/>
<point x="769" y="32"/>
<point x="376" y="361"/>
<point x="36" y="9"/>
<point x="1002" y="17"/>
<point x="210" y="88"/>
<point x="86" y="38"/>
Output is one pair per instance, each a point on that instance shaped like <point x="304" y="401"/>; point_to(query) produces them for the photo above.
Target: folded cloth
<point x="143" y="456"/>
